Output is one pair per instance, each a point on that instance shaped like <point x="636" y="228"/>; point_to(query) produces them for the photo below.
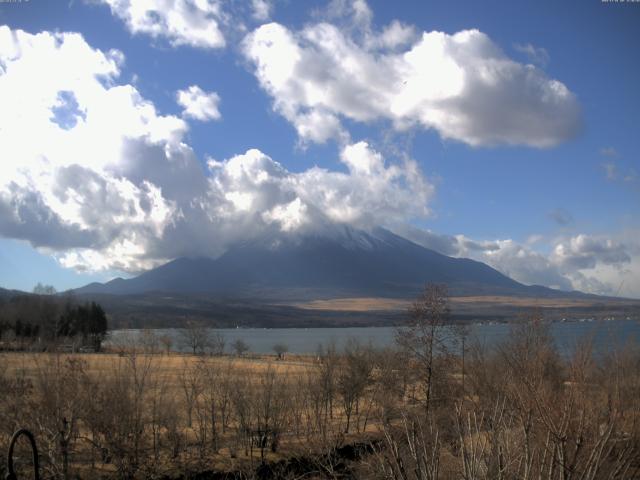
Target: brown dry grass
<point x="369" y="304"/>
<point x="364" y="304"/>
<point x="168" y="370"/>
<point x="169" y="367"/>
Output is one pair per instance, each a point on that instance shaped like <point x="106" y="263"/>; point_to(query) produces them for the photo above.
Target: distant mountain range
<point x="278" y="280"/>
<point x="340" y="262"/>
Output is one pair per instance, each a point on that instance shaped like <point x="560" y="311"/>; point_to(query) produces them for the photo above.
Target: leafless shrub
<point x="410" y="450"/>
<point x="190" y="381"/>
<point x="57" y="403"/>
<point x="280" y="350"/>
<point x="354" y="377"/>
<point x="117" y="415"/>
<point x="16" y="390"/>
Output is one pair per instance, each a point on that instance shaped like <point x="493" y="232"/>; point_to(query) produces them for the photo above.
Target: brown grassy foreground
<point x="140" y="414"/>
<point x="517" y="412"/>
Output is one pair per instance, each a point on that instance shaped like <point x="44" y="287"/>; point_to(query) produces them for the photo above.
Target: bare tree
<point x="195" y="336"/>
<point x="327" y="361"/>
<point x="280" y="349"/>
<point x="461" y="334"/>
<point x="353" y="379"/>
<point x="167" y="342"/>
<point x="225" y="384"/>
<point x="191" y="385"/>
<point x="41" y="289"/>
<point x="216" y="343"/>
<point x="424" y="337"/>
<point x="271" y="407"/>
<point x="240" y="394"/>
<point x="149" y="341"/>
<point x="16" y="386"/>
<point x="117" y="413"/>
<point x="240" y="347"/>
<point x="212" y="374"/>
<point x="57" y="407"/>
<point x="537" y="416"/>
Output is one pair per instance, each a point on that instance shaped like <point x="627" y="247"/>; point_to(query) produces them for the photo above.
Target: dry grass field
<point x="366" y="304"/>
<point x="176" y="412"/>
<point x="169" y="367"/>
<point x="514" y="412"/>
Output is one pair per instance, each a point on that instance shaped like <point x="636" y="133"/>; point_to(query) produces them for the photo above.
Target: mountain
<point x="7" y="294"/>
<point x="340" y="262"/>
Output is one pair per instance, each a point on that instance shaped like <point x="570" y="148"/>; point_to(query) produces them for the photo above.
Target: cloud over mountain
<point x="589" y="263"/>
<point x="585" y="251"/>
<point x="119" y="188"/>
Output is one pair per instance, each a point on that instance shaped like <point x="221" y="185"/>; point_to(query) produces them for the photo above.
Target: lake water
<point x="606" y="335"/>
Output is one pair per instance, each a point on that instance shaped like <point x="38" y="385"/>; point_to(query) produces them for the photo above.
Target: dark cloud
<point x="586" y="252"/>
<point x="561" y="216"/>
<point x="25" y="215"/>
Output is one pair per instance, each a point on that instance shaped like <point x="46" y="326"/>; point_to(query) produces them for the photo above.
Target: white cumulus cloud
<point x="261" y="9"/>
<point x="74" y="188"/>
<point x="195" y="23"/>
<point x="199" y="104"/>
<point x="586" y="252"/>
<point x="462" y="85"/>
<point x="536" y="55"/>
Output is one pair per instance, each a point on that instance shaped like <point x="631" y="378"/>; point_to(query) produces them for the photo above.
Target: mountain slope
<point x="342" y="262"/>
<point x="7" y="294"/>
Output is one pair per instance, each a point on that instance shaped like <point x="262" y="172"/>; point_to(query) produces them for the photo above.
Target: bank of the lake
<point x="605" y="335"/>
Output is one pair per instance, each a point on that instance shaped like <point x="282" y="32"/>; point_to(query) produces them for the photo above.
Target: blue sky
<point x="524" y="155"/>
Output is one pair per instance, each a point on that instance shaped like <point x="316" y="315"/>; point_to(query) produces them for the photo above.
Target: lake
<point x="606" y="336"/>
